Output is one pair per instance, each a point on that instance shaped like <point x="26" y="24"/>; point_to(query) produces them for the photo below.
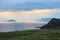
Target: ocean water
<point x="6" y="27"/>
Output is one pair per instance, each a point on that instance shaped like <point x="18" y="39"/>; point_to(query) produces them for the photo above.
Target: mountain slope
<point x="53" y="23"/>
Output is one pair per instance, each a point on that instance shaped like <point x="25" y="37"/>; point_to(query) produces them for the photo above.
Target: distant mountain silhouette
<point x="53" y="23"/>
<point x="45" y="19"/>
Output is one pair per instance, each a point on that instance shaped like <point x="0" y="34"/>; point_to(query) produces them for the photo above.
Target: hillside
<point x="43" y="34"/>
<point x="54" y="23"/>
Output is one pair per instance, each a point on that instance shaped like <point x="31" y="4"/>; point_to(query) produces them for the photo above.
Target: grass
<point x="42" y="34"/>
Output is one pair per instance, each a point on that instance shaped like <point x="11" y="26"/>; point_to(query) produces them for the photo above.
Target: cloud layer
<point x="17" y="5"/>
<point x="30" y="16"/>
<point x="28" y="10"/>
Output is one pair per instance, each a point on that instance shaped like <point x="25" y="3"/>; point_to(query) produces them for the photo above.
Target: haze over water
<point x="18" y="26"/>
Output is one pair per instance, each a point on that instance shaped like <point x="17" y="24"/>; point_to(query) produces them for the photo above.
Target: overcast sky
<point x="28" y="10"/>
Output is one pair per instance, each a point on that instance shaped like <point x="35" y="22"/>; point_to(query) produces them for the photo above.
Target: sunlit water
<point x="18" y="26"/>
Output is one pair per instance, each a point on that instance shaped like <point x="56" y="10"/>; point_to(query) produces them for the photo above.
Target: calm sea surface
<point x="6" y="27"/>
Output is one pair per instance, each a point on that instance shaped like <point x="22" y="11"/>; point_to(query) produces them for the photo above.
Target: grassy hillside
<point x="42" y="34"/>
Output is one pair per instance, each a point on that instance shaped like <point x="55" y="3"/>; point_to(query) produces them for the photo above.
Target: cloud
<point x="8" y="14"/>
<point x="30" y="16"/>
<point x="45" y="19"/>
<point x="11" y="20"/>
<point x="18" y="5"/>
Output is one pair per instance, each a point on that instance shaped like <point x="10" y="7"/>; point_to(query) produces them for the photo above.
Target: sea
<point x="9" y="27"/>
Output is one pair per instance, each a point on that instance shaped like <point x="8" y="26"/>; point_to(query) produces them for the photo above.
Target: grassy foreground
<point x="42" y="34"/>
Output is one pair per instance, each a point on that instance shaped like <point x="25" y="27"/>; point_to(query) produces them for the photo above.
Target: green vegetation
<point x="42" y="34"/>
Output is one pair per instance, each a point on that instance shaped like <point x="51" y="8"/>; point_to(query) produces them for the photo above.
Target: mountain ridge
<point x="54" y="22"/>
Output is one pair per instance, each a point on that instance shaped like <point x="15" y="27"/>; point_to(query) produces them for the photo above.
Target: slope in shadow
<point x="53" y="23"/>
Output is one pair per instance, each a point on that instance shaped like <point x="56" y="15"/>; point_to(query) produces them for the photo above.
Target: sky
<point x="28" y="10"/>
